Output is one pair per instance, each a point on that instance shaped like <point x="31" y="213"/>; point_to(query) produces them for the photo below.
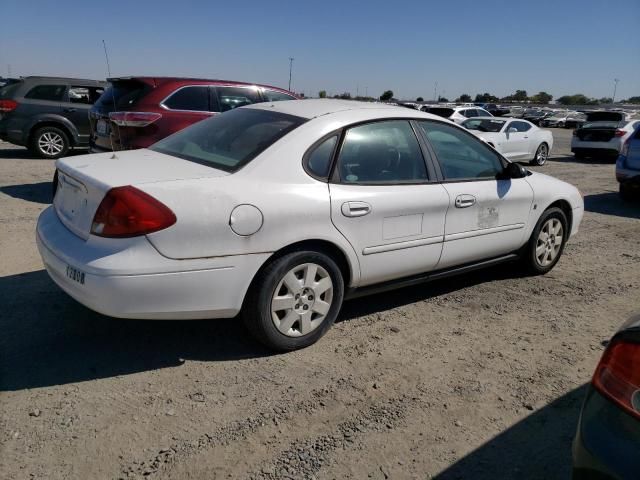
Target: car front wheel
<point x="49" y="142"/>
<point x="294" y="300"/>
<point x="542" y="153"/>
<point x="547" y="242"/>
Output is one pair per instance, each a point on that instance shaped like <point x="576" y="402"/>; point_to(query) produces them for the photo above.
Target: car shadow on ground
<point x="538" y="446"/>
<point x="31" y="192"/>
<point x="610" y="203"/>
<point x="50" y="339"/>
<point x="403" y="296"/>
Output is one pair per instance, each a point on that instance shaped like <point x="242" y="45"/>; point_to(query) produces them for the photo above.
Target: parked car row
<point x="52" y="115"/>
<point x="603" y="134"/>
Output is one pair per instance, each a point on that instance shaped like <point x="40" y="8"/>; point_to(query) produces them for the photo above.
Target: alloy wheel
<point x="51" y="143"/>
<point x="542" y="154"/>
<point x="549" y="242"/>
<point x="302" y="300"/>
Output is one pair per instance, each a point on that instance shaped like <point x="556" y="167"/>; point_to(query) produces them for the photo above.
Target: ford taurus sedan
<point x="282" y="210"/>
<point x="515" y="139"/>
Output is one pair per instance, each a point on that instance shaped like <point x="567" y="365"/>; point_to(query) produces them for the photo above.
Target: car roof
<point x="37" y="78"/>
<point x="313" y="108"/>
<point x="156" y="81"/>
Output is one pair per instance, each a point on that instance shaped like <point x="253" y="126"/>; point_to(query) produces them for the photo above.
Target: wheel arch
<point x="63" y="125"/>
<point x="565" y="206"/>
<point x="348" y="270"/>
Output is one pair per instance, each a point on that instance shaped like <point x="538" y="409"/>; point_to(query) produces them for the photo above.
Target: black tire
<point x="529" y="258"/>
<point x="49" y="142"/>
<point x="257" y="314"/>
<point x="539" y="159"/>
<point x="626" y="193"/>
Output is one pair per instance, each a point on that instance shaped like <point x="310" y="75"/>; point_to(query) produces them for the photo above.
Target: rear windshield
<point x="484" y="125"/>
<point x="441" y="112"/>
<point x="229" y="140"/>
<point x="8" y="90"/>
<point x="122" y="95"/>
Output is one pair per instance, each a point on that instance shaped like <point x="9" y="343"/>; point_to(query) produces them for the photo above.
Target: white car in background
<point x="281" y="210"/>
<point x="603" y="134"/>
<point x="564" y="119"/>
<point x="457" y="114"/>
<point x="516" y="139"/>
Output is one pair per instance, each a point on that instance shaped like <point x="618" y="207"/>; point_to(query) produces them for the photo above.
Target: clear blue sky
<point x="467" y="46"/>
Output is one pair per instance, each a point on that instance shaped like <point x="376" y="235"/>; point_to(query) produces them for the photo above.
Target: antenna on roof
<point x="106" y="56"/>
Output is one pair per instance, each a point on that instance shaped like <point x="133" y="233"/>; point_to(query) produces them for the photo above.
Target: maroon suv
<point x="138" y="111"/>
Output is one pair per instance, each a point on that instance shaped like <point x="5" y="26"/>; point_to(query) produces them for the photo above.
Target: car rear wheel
<point x="294" y="300"/>
<point x="49" y="142"/>
<point x="547" y="242"/>
<point x="542" y="153"/>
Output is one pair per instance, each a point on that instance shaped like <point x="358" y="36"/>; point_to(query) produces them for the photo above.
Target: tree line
<point x="520" y="96"/>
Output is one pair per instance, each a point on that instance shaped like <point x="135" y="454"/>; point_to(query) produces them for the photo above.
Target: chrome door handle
<point x="355" y="209"/>
<point x="464" y="201"/>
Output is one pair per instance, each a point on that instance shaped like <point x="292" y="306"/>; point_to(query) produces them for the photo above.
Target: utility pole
<point x="615" y="87"/>
<point x="366" y="91"/>
<point x="9" y="70"/>
<point x="435" y="92"/>
<point x="290" y="69"/>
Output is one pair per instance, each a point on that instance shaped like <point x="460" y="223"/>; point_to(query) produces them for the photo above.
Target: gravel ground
<point x="480" y="376"/>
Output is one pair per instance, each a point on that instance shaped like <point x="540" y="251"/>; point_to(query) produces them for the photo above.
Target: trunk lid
<point x="83" y="181"/>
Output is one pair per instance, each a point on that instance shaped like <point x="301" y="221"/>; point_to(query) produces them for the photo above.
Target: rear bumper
<point x="607" y="442"/>
<point x="610" y="148"/>
<point x="10" y="133"/>
<point x="128" y="278"/>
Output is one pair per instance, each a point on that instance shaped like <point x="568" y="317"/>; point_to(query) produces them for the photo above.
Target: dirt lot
<point x="473" y="377"/>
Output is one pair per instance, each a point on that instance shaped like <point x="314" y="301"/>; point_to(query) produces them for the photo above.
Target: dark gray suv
<point x="49" y="115"/>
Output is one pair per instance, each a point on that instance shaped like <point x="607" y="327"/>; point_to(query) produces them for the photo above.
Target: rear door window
<point x="52" y="93"/>
<point x="234" y="97"/>
<point x="318" y="160"/>
<point x="84" y="95"/>
<point x="380" y="153"/>
<point x="192" y="98"/>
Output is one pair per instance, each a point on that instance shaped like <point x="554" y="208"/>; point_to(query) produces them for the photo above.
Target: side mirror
<point x="515" y="170"/>
<point x="512" y="130"/>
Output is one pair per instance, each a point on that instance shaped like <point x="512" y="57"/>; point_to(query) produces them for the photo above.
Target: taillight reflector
<point x="8" y="105"/>
<point x="620" y="133"/>
<point x="625" y="148"/>
<point x="134" y="119"/>
<point x="617" y="376"/>
<point x="129" y="212"/>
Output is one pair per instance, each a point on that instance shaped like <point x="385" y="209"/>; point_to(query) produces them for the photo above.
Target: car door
<point x="488" y="213"/>
<point x="386" y="201"/>
<point x="76" y="106"/>
<point x="516" y="140"/>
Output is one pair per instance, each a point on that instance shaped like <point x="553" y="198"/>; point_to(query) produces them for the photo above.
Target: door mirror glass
<point x="512" y="130"/>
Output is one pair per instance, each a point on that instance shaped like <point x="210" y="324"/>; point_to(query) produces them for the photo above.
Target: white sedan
<point x="515" y="139"/>
<point x="282" y="210"/>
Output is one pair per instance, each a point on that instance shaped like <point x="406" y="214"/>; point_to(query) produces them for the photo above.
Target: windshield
<point x="229" y="140"/>
<point x="484" y="125"/>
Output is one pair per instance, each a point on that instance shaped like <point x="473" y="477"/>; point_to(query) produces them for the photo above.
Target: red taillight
<point x="129" y="212"/>
<point x="625" y="148"/>
<point x="618" y="375"/>
<point x="620" y="133"/>
<point x="8" y="105"/>
<point x="134" y="119"/>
